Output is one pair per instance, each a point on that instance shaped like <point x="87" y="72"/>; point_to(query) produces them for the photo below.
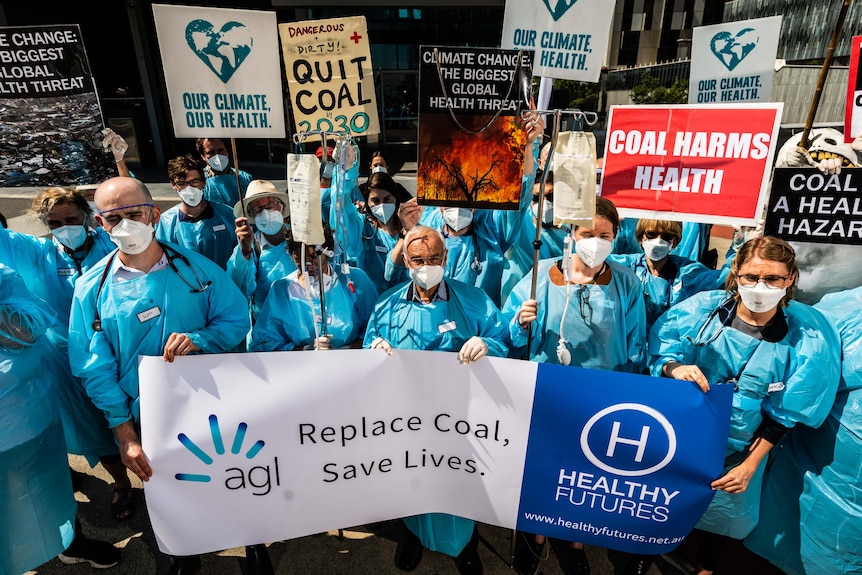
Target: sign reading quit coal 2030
<point x="809" y="206"/>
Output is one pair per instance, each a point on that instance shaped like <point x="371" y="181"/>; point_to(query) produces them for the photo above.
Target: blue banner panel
<point x="635" y="472"/>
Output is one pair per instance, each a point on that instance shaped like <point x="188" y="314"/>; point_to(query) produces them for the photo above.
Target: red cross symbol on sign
<point x="355" y="38"/>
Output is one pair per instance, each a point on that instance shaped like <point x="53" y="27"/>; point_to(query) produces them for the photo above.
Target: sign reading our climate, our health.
<point x="570" y="38"/>
<point x="733" y="62"/>
<point x="807" y="205"/>
<point x="239" y="456"/>
<point x="329" y="74"/>
<point x="222" y="71"/>
<point x="691" y="163"/>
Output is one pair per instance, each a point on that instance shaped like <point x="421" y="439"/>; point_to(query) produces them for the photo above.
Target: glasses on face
<point x="273" y="204"/>
<point x="751" y="280"/>
<point x="653" y="234"/>
<point x="435" y="260"/>
<point x="193" y="182"/>
<point x="136" y="212"/>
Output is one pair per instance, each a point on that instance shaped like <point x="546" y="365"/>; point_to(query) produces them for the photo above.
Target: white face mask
<point x="383" y="212"/>
<point x="377" y="169"/>
<point x="218" y="162"/>
<point x="593" y="251"/>
<point x="269" y="222"/>
<point x="457" y="218"/>
<point x="759" y="298"/>
<point x="426" y="277"/>
<point x="547" y="212"/>
<point x="656" y="249"/>
<point x="191" y="196"/>
<point x="132" y="237"/>
<point x="73" y="237"/>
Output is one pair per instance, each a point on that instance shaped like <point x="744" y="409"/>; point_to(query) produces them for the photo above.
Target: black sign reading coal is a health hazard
<point x="39" y="62"/>
<point x="809" y="206"/>
<point x="474" y="81"/>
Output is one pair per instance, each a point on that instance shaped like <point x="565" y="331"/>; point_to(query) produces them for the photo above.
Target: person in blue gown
<point x="221" y="178"/>
<point x="811" y="513"/>
<point x="432" y="313"/>
<point x="586" y="312"/>
<point x="196" y="223"/>
<point x="781" y="356"/>
<point x="292" y="317"/>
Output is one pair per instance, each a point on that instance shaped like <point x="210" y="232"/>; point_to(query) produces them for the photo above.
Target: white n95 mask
<point x="191" y="196"/>
<point x="269" y="222"/>
<point x="73" y="237"/>
<point x="383" y="212"/>
<point x="132" y="237"/>
<point x="218" y="162"/>
<point x="426" y="277"/>
<point x="759" y="298"/>
<point x="457" y="218"/>
<point x="593" y="251"/>
<point x="656" y="249"/>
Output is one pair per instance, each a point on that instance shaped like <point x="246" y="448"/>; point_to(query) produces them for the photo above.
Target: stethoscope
<point x="728" y="306"/>
<point x="171" y="255"/>
<point x="476" y="265"/>
<point x="642" y="265"/>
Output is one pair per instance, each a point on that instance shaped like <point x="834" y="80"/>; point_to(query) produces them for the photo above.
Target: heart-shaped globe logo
<point x="224" y="50"/>
<point x="556" y="8"/>
<point x="732" y="49"/>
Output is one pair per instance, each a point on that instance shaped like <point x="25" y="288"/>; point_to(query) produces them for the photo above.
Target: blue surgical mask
<point x="269" y="222"/>
<point x="73" y="237"/>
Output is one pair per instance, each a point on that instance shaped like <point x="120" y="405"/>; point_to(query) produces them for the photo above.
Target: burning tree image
<point x="460" y="169"/>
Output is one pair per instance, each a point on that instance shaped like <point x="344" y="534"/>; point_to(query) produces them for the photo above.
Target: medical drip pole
<point x="236" y="173"/>
<point x="824" y="71"/>
<point x="321" y="282"/>
<point x="590" y="118"/>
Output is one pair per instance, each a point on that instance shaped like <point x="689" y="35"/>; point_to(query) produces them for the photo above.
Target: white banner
<point x="345" y="438"/>
<point x="733" y="62"/>
<point x="570" y="38"/>
<point x="222" y="71"/>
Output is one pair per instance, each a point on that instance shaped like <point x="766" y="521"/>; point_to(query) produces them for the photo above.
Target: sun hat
<point x="260" y="189"/>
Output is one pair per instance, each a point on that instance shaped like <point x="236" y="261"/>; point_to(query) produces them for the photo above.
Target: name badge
<point x="149" y="314"/>
<point x="777" y="386"/>
<point x="448" y="326"/>
<point x="676" y="287"/>
<point x="65" y="272"/>
<point x="319" y="319"/>
<point x="382" y="249"/>
<point x="219" y="228"/>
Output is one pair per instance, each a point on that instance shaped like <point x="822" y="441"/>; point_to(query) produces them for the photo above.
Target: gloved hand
<point x="798" y="157"/>
<point x="742" y="234"/>
<point x="322" y="342"/>
<point x="114" y="142"/>
<point x="381" y="343"/>
<point x="473" y="349"/>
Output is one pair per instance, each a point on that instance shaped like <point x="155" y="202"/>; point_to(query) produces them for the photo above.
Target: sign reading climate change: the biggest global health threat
<point x="257" y="447"/>
<point x="222" y="71"/>
<point x="570" y="38"/>
<point x="691" y="163"/>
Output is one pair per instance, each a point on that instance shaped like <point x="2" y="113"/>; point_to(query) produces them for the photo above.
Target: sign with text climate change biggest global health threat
<point x="222" y="71"/>
<point x="570" y="38"/>
<point x="471" y="143"/>
<point x="706" y="164"/>
<point x="329" y="72"/>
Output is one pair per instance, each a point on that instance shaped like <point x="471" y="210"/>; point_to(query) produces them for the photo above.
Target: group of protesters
<point x="221" y="272"/>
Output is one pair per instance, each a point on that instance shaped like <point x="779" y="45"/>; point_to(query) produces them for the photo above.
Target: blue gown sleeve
<point x="271" y="331"/>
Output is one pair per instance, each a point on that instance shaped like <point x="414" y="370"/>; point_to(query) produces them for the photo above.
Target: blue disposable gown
<point x="811" y="514"/>
<point x="609" y="335"/>
<point x="659" y="293"/>
<point x="478" y="258"/>
<point x="408" y="325"/>
<point x="36" y="497"/>
<point x="254" y="276"/>
<point x="50" y="274"/>
<point x="519" y="261"/>
<point x="107" y="361"/>
<point x="793" y="381"/>
<point x="695" y="239"/>
<point x="287" y="320"/>
<point x="213" y="237"/>
<point x="221" y="188"/>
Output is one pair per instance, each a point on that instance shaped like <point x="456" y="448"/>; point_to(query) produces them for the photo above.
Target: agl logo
<point x="258" y="478"/>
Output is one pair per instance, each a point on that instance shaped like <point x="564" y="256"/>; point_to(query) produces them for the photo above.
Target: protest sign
<point x="707" y="164"/>
<point x="810" y="206"/>
<point x="329" y="74"/>
<point x="50" y="110"/>
<point x="258" y="447"/>
<point x="570" y="38"/>
<point x="733" y="62"/>
<point x="222" y="71"/>
<point x="853" y="114"/>
<point x="471" y="145"/>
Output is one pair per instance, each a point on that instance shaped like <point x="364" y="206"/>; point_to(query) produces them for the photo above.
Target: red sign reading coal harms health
<point x="707" y="164"/>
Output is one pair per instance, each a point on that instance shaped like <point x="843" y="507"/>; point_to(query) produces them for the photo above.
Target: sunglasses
<point x="652" y="234"/>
